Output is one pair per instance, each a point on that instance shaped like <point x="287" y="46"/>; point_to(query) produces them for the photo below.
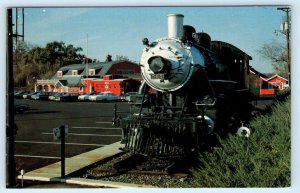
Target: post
<point x="62" y="150"/>
<point x="22" y="174"/>
<point x="23" y="24"/>
<point x="10" y="126"/>
<point x="115" y="111"/>
<point x="172" y="100"/>
<point x="87" y="58"/>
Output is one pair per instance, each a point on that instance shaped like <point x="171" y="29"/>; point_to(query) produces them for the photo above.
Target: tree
<point x="277" y="54"/>
<point x="121" y="57"/>
<point x="42" y="62"/>
<point x="71" y="55"/>
<point x="59" y="53"/>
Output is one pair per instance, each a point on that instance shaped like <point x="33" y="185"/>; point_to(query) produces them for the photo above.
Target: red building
<point x="262" y="85"/>
<point x="273" y="85"/>
<point x="117" y="86"/>
<point x="68" y="78"/>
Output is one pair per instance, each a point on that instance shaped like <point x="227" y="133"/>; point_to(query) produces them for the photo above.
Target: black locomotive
<point x="192" y="88"/>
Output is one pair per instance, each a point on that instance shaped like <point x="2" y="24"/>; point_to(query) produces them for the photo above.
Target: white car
<point x="52" y="97"/>
<point x="28" y="95"/>
<point x="128" y="96"/>
<point x="105" y="96"/>
<point x="85" y="97"/>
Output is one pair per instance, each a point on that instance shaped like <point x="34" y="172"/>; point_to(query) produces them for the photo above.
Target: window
<point x="91" y="72"/>
<point x="59" y="74"/>
<point x="281" y="86"/>
<point x="74" y="72"/>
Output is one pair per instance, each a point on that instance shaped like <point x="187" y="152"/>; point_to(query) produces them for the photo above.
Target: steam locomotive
<point x="192" y="88"/>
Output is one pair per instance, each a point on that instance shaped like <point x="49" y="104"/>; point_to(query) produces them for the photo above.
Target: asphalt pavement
<point x="89" y="127"/>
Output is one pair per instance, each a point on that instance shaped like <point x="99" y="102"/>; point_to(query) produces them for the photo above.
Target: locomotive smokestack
<point x="175" y="25"/>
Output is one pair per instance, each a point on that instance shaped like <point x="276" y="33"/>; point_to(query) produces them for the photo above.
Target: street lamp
<point x="33" y="78"/>
<point x="60" y="53"/>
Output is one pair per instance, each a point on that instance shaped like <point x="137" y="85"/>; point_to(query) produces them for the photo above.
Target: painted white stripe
<point x="36" y="156"/>
<point x="86" y="134"/>
<point x="112" y="128"/>
<point x="58" y="143"/>
<point x="103" y="122"/>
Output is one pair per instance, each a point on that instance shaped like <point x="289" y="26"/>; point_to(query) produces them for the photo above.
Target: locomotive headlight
<point x="158" y="64"/>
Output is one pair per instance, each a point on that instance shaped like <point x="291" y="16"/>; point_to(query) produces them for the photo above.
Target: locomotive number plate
<point x="157" y="76"/>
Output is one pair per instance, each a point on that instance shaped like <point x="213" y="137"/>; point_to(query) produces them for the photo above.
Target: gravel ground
<point x="152" y="164"/>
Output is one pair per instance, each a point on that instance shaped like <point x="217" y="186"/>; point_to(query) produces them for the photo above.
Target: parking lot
<point x="89" y="126"/>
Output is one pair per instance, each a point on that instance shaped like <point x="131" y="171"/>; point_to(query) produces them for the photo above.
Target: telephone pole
<point x="285" y="29"/>
<point x="10" y="126"/>
<point x="16" y="35"/>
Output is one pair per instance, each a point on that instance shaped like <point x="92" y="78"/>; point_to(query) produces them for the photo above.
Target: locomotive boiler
<point x="192" y="88"/>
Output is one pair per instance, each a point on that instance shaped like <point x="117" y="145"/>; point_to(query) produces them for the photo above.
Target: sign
<point x="106" y="85"/>
<point x="157" y="76"/>
<point x="56" y="132"/>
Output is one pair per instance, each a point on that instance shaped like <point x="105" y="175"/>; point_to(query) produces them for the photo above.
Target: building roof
<point x="68" y="80"/>
<point x="283" y="75"/>
<point x="101" y="68"/>
<point x="277" y="75"/>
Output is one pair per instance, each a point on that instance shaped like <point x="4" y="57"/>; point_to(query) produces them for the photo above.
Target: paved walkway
<point x="53" y="172"/>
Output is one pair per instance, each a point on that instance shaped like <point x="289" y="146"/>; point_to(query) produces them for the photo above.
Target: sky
<point x="120" y="30"/>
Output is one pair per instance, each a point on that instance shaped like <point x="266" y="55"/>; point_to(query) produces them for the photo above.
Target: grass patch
<point x="263" y="160"/>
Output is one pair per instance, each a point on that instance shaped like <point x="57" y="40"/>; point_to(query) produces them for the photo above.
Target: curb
<point x="104" y="184"/>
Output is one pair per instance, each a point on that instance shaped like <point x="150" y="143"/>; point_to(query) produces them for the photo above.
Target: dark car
<point x="21" y="107"/>
<point x="41" y="96"/>
<point x="20" y="94"/>
<point x="28" y="95"/>
<point x="67" y="97"/>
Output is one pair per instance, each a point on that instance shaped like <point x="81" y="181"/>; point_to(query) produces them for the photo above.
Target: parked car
<point x="105" y="96"/>
<point x="28" y="95"/>
<point x="41" y="96"/>
<point x="33" y="95"/>
<point x="85" y="97"/>
<point x="20" y="94"/>
<point x="67" y="97"/>
<point x="128" y="96"/>
<point x="20" y="107"/>
<point x="53" y="95"/>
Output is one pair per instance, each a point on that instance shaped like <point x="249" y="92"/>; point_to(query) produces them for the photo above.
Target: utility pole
<point x="16" y="35"/>
<point x="10" y="126"/>
<point x="285" y="29"/>
<point x="87" y="58"/>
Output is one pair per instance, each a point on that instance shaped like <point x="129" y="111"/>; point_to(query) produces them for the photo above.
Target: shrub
<point x="262" y="160"/>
